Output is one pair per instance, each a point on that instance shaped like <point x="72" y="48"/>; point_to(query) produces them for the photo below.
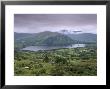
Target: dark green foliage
<point x="60" y="62"/>
<point x="46" y="58"/>
<point x="58" y="40"/>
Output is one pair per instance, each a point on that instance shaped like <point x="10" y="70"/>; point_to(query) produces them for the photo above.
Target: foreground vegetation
<point x="59" y="62"/>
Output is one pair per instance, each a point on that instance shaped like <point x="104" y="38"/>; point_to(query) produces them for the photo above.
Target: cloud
<point x="33" y="23"/>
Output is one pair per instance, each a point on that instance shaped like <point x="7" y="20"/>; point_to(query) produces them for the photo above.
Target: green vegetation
<point x="59" y="62"/>
<point x="58" y="40"/>
<point x="23" y="40"/>
<point x="42" y="38"/>
<point x="56" y="62"/>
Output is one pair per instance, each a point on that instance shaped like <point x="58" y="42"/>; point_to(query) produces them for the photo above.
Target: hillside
<point x="84" y="37"/>
<point x="42" y="38"/>
<point x="58" y="40"/>
<point x="19" y="36"/>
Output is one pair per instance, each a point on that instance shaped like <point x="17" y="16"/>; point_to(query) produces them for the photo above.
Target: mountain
<point x="42" y="38"/>
<point x="18" y="36"/>
<point x="48" y="38"/>
<point x="84" y="37"/>
<point x="58" y="40"/>
<point x="79" y="36"/>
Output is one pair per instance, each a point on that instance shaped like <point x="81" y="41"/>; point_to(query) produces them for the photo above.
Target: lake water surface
<point x="37" y="48"/>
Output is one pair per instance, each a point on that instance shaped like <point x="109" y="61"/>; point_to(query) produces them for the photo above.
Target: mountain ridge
<point x="51" y="38"/>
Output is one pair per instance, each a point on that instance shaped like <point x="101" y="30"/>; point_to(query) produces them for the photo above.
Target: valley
<point x="55" y="54"/>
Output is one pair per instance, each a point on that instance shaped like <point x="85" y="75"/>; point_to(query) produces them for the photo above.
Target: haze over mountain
<point x="64" y="31"/>
<point x="79" y="36"/>
<point x="54" y="29"/>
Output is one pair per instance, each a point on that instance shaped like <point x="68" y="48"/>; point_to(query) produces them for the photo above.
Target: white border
<point x="100" y="10"/>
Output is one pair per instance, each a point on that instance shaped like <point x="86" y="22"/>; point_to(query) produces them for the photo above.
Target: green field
<point x="59" y="62"/>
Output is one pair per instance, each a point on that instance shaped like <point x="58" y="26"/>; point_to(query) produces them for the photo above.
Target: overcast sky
<point x="34" y="23"/>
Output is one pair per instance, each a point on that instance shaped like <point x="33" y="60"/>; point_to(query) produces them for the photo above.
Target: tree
<point x="46" y="58"/>
<point x="60" y="59"/>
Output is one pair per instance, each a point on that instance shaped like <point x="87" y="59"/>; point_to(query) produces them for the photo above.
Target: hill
<point x="58" y="40"/>
<point x="84" y="37"/>
<point x="42" y="38"/>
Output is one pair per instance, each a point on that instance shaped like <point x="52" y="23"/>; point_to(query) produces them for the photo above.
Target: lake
<point x="37" y="48"/>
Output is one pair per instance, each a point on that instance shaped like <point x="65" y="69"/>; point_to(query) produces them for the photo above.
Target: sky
<point x="35" y="23"/>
